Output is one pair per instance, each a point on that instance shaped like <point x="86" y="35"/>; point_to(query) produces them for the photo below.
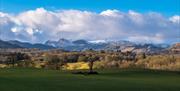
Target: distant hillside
<point x="175" y="48"/>
<point x="4" y="44"/>
<point x="76" y="45"/>
<point x="80" y="45"/>
<point x="29" y="45"/>
<point x="124" y="46"/>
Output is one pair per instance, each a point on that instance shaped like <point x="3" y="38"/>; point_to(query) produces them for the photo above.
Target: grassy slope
<point x="107" y="80"/>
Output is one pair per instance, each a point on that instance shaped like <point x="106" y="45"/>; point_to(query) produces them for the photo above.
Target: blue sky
<point x="154" y="21"/>
<point x="166" y="7"/>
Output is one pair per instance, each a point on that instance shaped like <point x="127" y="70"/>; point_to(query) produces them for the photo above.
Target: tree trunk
<point x="57" y="67"/>
<point x="91" y="66"/>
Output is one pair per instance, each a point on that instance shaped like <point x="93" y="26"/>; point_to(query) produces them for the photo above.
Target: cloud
<point x="41" y="25"/>
<point x="175" y="19"/>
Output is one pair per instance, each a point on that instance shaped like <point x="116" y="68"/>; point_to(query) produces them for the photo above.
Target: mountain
<point x="175" y="48"/>
<point x="122" y="45"/>
<point x="59" y="44"/>
<point x="98" y="41"/>
<point x="75" y="45"/>
<point x="4" y="44"/>
<point x="119" y="45"/>
<point x="125" y="46"/>
<point x="148" y="48"/>
<point x="80" y="42"/>
<point x="80" y="45"/>
<point x="29" y="45"/>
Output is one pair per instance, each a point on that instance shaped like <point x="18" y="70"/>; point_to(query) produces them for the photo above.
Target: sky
<point x="154" y="21"/>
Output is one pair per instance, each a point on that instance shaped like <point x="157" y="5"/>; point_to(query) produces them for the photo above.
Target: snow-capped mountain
<point x="98" y="41"/>
<point x="79" y="45"/>
<point x="75" y="45"/>
<point x="122" y="45"/>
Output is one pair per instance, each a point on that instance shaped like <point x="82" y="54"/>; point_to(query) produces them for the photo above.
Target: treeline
<point x="93" y="59"/>
<point x="161" y="62"/>
<point x="13" y="58"/>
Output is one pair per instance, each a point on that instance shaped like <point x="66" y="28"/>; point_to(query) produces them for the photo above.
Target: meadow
<point x="31" y="79"/>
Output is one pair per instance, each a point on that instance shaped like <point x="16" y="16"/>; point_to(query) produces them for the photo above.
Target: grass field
<point x="27" y="79"/>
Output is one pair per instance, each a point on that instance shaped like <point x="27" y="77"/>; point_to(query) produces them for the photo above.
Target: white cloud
<point x="175" y="19"/>
<point x="113" y="13"/>
<point x="40" y="25"/>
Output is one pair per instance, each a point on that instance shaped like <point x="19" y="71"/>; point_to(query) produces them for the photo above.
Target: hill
<point x="175" y="48"/>
<point x="4" y="44"/>
<point x="29" y="45"/>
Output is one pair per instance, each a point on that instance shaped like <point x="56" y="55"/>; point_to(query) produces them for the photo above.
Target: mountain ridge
<point x="81" y="44"/>
<point x="123" y="45"/>
<point x="19" y="44"/>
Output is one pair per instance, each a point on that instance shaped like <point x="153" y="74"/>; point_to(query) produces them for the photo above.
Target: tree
<point x="143" y="55"/>
<point x="55" y="61"/>
<point x="14" y="58"/>
<point x="82" y="58"/>
<point x="11" y="59"/>
<point x="91" y="59"/>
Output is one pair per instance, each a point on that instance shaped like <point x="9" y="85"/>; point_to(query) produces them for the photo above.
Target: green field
<point x="27" y="79"/>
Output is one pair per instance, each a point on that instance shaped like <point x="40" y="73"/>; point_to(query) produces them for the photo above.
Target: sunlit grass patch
<point x="76" y="66"/>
